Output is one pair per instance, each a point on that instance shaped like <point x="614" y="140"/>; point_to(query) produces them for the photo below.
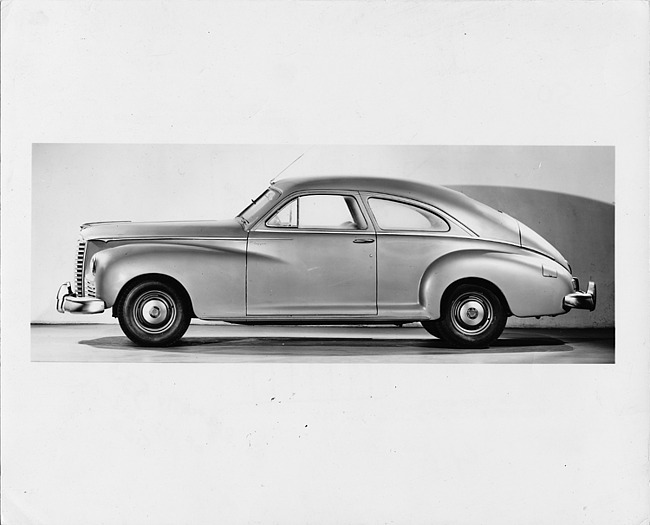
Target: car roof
<point x="480" y="218"/>
<point x="428" y="193"/>
<point x="353" y="182"/>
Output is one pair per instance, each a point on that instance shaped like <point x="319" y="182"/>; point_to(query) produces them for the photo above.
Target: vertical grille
<point x="79" y="269"/>
<point x="90" y="288"/>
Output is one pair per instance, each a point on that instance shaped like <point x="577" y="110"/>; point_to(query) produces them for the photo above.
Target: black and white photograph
<point x="319" y="264"/>
<point x="324" y="262"/>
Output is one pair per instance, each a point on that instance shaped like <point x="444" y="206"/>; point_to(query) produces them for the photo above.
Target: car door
<point x="410" y="236"/>
<point x="314" y="256"/>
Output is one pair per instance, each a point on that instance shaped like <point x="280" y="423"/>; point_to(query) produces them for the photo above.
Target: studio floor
<point x="223" y="343"/>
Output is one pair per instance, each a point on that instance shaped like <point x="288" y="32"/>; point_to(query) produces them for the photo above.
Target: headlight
<point x="93" y="265"/>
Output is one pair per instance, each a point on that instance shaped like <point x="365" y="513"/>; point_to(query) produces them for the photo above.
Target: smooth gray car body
<point x="256" y="268"/>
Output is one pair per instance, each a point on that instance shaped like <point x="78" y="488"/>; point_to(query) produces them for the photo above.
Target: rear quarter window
<point x="394" y="215"/>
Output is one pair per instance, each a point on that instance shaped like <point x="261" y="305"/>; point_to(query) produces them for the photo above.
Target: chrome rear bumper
<point x="67" y="301"/>
<point x="579" y="299"/>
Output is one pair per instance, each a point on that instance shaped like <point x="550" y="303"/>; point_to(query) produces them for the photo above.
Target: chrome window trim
<point x="241" y="213"/>
<point x="291" y="196"/>
<point x="418" y="204"/>
<point x="379" y="228"/>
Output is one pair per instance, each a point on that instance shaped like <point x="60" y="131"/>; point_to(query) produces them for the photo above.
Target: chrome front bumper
<point x="67" y="301"/>
<point x="579" y="299"/>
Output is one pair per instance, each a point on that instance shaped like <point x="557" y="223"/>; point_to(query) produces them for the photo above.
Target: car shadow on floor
<point x="288" y="346"/>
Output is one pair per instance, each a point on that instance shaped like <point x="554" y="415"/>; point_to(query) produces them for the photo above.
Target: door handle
<point x="363" y="241"/>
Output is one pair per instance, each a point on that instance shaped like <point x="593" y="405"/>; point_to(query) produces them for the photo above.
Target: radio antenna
<point x="285" y="169"/>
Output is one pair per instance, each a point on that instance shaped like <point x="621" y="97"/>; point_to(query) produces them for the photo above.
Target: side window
<point x="393" y="215"/>
<point x="287" y="217"/>
<point x="335" y="212"/>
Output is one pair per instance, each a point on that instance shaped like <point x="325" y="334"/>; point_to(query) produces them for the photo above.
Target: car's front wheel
<point x="153" y="313"/>
<point x="432" y="328"/>
<point x="472" y="317"/>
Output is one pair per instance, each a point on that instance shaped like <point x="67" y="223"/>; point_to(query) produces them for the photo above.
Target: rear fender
<point x="516" y="274"/>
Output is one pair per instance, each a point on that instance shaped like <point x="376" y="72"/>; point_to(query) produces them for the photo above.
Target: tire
<point x="432" y="328"/>
<point x="472" y="317"/>
<point x="154" y="313"/>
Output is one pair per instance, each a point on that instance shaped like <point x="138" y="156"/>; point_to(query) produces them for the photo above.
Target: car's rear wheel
<point x="154" y="313"/>
<point x="473" y="316"/>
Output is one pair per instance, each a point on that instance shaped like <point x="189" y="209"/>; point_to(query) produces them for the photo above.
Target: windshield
<point x="259" y="206"/>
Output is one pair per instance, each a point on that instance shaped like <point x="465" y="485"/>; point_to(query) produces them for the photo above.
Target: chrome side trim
<point x="156" y="238"/>
<point x="289" y="231"/>
<point x="453" y="236"/>
<point x="324" y="319"/>
<point x="168" y="238"/>
<point x="422" y="233"/>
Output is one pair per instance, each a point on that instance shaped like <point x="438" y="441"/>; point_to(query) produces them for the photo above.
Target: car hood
<point x="228" y="229"/>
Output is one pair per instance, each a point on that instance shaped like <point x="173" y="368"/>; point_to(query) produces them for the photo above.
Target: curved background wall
<point x="566" y="193"/>
<point x="581" y="229"/>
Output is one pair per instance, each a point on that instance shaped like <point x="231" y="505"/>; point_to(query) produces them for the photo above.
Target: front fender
<point x="211" y="271"/>
<point x="517" y="273"/>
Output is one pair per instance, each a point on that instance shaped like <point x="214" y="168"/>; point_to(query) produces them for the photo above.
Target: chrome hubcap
<point x="471" y="313"/>
<point x="154" y="311"/>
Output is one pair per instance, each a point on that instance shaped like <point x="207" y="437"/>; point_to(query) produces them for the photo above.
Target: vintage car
<point x="328" y="250"/>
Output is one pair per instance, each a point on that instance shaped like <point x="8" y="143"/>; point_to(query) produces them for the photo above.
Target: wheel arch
<point x="170" y="281"/>
<point x="211" y="272"/>
<point x="501" y="272"/>
<point x="478" y="281"/>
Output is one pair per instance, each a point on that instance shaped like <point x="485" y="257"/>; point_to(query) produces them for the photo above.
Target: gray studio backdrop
<point x="566" y="193"/>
